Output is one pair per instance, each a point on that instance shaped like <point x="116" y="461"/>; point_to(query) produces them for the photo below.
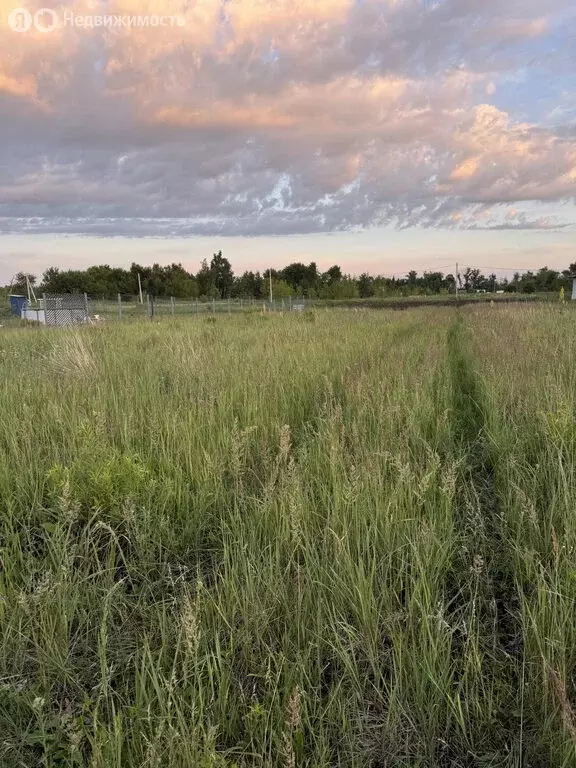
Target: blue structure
<point x="18" y="304"/>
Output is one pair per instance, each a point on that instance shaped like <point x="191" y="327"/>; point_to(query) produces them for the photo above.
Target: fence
<point x="127" y="307"/>
<point x="63" y="309"/>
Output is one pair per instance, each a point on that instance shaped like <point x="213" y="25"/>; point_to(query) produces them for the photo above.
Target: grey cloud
<point x="180" y="141"/>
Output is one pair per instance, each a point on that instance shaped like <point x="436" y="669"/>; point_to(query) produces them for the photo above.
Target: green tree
<point x="547" y="280"/>
<point x="433" y="282"/>
<point x="179" y="283"/>
<point x="19" y="283"/>
<point x="281" y="289"/>
<point x="67" y="281"/>
<point x="222" y="275"/>
<point x="205" y="281"/>
<point x="473" y="279"/>
<point x="365" y="286"/>
<point x="296" y="275"/>
<point x="249" y="285"/>
<point x="333" y="275"/>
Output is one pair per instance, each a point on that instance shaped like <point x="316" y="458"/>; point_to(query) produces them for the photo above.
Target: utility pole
<point x="30" y="290"/>
<point x="456" y="280"/>
<point x="270" y="272"/>
<point x="140" y="289"/>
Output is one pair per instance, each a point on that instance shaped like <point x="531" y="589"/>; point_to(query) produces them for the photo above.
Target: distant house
<point x="52" y="309"/>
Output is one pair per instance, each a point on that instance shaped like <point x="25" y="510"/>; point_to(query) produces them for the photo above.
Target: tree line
<point x="216" y="280"/>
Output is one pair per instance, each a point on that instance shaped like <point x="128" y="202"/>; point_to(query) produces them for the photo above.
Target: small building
<point x="26" y="309"/>
<point x="52" y="309"/>
<point x="65" y="308"/>
<point x="17" y="304"/>
<point x="573" y="287"/>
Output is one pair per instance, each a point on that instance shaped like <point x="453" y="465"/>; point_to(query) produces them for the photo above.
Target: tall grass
<point x="339" y="539"/>
<point x="530" y="376"/>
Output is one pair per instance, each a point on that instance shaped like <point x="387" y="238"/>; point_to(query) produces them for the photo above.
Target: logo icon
<point x="45" y="20"/>
<point x="20" y="20"/>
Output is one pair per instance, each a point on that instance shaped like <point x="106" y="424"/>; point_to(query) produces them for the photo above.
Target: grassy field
<point x="320" y="539"/>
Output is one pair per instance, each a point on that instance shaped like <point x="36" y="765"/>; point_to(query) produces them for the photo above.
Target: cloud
<point x="277" y="116"/>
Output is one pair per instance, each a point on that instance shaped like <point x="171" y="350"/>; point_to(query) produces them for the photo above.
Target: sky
<point x="381" y="135"/>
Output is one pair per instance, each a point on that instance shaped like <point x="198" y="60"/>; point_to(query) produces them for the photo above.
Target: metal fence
<point x="126" y="307"/>
<point x="65" y="309"/>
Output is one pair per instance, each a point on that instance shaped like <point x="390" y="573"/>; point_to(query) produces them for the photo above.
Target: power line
<point x="508" y="269"/>
<point x="427" y="268"/>
<point x="468" y="266"/>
